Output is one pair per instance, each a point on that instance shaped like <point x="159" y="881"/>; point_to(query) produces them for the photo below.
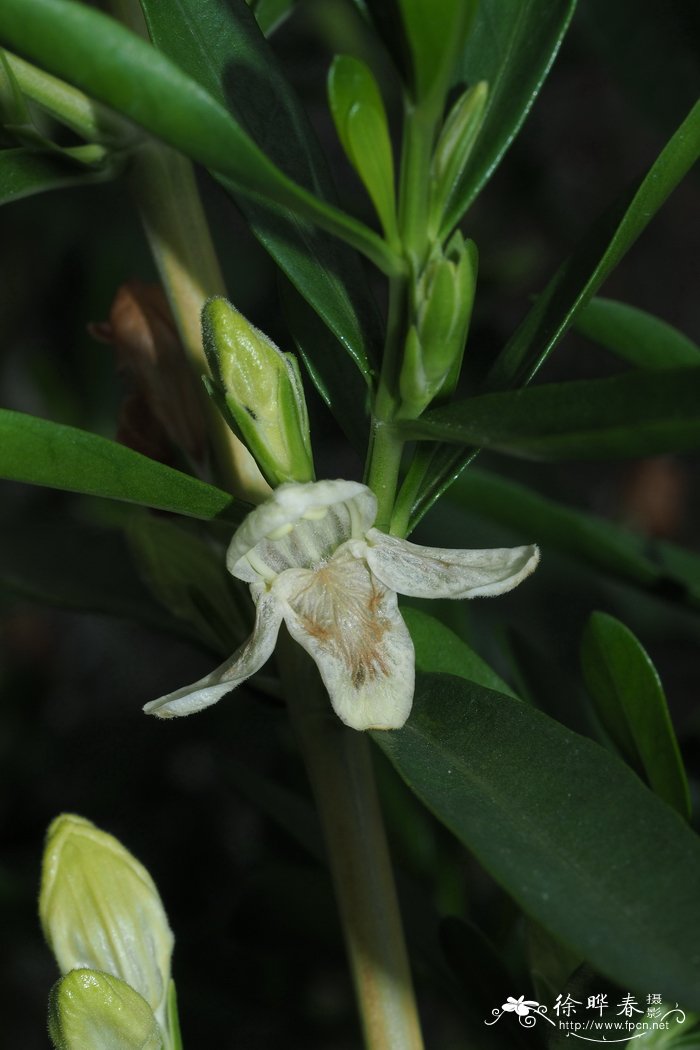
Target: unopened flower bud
<point x="100" y="910"/>
<point x="453" y="150"/>
<point x="435" y="344"/>
<point x="97" y="1010"/>
<point x="262" y="393"/>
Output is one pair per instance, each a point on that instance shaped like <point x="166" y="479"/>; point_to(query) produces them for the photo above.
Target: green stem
<point x="165" y="190"/>
<point x="414" y="190"/>
<point x="385" y="448"/>
<point x="173" y="1020"/>
<point x="68" y="105"/>
<point x="384" y="456"/>
<point x="340" y="769"/>
<point x="164" y="187"/>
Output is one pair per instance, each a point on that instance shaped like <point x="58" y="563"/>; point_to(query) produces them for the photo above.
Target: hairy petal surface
<point x="350" y="624"/>
<point x="248" y="659"/>
<point x="437" y="572"/>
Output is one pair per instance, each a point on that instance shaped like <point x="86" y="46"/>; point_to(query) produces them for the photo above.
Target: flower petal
<point x="437" y="572"/>
<point x="299" y="525"/>
<point x="248" y="659"/>
<point x="350" y="624"/>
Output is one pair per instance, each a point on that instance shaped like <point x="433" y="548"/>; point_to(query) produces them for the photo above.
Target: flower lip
<point x="288" y="505"/>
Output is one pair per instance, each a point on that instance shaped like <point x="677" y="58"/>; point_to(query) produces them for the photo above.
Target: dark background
<point x="258" y="961"/>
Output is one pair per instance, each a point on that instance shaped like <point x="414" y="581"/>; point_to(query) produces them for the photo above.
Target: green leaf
<point x="571" y="288"/>
<point x="43" y="453"/>
<point x="24" y="172"/>
<point x="597" y="543"/>
<point x="118" y="68"/>
<point x="360" y="120"/>
<point x="425" y="37"/>
<point x="214" y="42"/>
<point x="453" y="149"/>
<point x="635" y="336"/>
<point x="595" y="258"/>
<point x="440" y="649"/>
<point x="634" y="414"/>
<point x="679" y="565"/>
<point x="435" y="31"/>
<point x="571" y="833"/>
<point x="511" y="46"/>
<point x="333" y="373"/>
<point x="629" y="699"/>
<point x="173" y="1018"/>
<point x="270" y="14"/>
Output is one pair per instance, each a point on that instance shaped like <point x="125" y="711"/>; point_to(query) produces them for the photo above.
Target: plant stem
<point x="385" y="447"/>
<point x="164" y="187"/>
<point x="339" y="766"/>
<point x="165" y="191"/>
<point x="418" y="136"/>
<point x="384" y="457"/>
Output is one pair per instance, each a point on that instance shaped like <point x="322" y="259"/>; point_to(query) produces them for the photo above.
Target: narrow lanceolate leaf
<point x="425" y="38"/>
<point x="635" y="414"/>
<point x="270" y="14"/>
<point x="453" y="149"/>
<point x="564" y="826"/>
<point x="660" y="568"/>
<point x="636" y="336"/>
<point x="123" y="71"/>
<point x="511" y="46"/>
<point x="24" y="172"/>
<point x="571" y="288"/>
<point x="220" y="47"/>
<point x="361" y="123"/>
<point x="629" y="698"/>
<point x="440" y="649"/>
<point x="44" y="453"/>
<point x="333" y="373"/>
<point x="595" y="258"/>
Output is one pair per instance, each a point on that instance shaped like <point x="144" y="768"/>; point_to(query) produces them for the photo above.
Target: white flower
<point x="312" y="559"/>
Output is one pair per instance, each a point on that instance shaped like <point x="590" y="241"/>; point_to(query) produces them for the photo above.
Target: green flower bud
<point x="438" y="319"/>
<point x="413" y="382"/>
<point x="435" y="344"/>
<point x="96" y="1010"/>
<point x="260" y="392"/>
<point x="453" y="149"/>
<point x="100" y="910"/>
